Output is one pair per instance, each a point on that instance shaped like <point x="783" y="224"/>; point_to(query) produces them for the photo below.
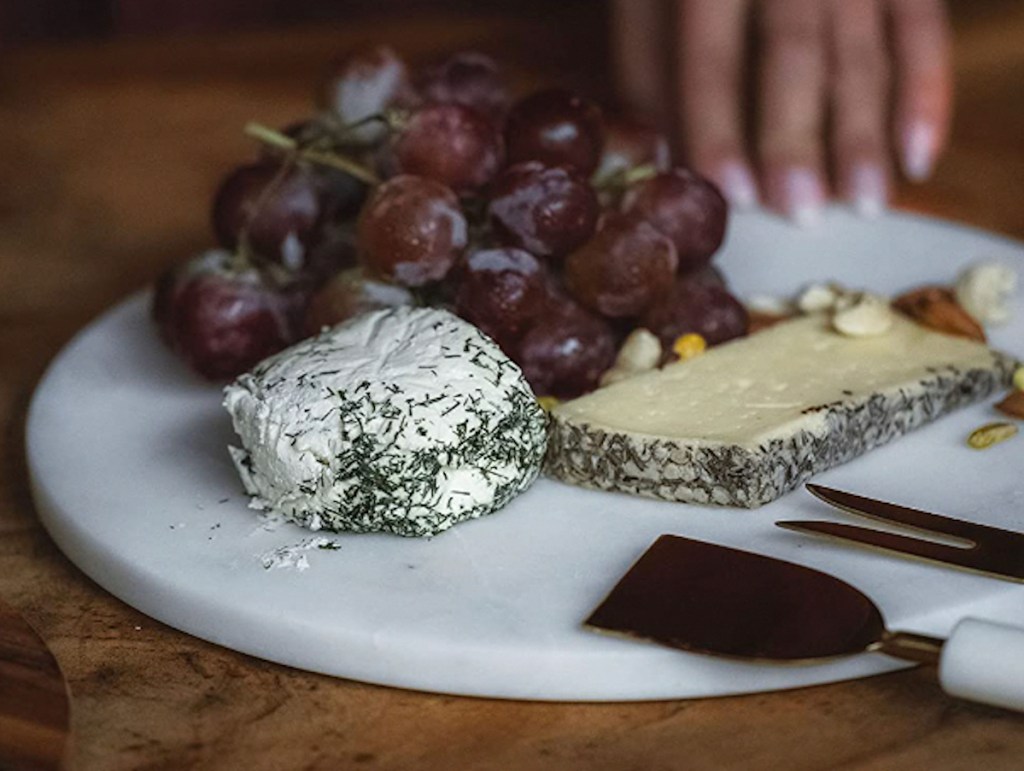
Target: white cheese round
<point x="405" y="420"/>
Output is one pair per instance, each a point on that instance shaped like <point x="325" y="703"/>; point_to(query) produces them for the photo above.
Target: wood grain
<point x="34" y="708"/>
<point x="108" y="156"/>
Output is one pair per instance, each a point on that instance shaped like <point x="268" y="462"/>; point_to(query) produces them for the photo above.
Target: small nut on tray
<point x="867" y="315"/>
<point x="548" y="403"/>
<point x="936" y="308"/>
<point x="640" y="352"/>
<point x="984" y="291"/>
<point x="770" y="305"/>
<point x="759" y="320"/>
<point x="991" y="434"/>
<point x="818" y="297"/>
<point x="1013" y="404"/>
<point x="689" y="345"/>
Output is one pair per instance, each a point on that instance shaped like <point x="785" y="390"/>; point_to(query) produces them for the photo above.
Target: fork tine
<point x="890" y="512"/>
<point x="914" y="547"/>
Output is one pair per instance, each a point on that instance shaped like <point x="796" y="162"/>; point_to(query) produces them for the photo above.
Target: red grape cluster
<point x="554" y="230"/>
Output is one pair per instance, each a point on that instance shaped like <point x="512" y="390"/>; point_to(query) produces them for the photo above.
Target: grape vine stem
<point x="277" y="139"/>
<point x="624" y="178"/>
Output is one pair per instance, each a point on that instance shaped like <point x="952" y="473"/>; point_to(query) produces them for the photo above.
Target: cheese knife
<point x="710" y="599"/>
<point x="978" y="548"/>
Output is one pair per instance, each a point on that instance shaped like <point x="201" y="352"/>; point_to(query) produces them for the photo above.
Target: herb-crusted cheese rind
<point x="750" y="420"/>
<point x="405" y="420"/>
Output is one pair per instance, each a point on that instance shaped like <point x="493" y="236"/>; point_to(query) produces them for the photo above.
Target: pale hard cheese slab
<point x="754" y="418"/>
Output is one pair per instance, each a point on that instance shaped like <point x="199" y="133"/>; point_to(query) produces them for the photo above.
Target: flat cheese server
<point x="711" y="599"/>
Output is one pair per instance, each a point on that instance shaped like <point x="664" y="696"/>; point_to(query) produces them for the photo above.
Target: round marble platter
<point x="131" y="476"/>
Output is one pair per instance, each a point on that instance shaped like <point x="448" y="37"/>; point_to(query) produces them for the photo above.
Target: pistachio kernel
<point x="991" y="434"/>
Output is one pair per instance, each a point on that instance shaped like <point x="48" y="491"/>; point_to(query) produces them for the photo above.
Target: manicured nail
<point x="737" y="184"/>
<point x="803" y="197"/>
<point x="868" y="189"/>
<point x="919" y="151"/>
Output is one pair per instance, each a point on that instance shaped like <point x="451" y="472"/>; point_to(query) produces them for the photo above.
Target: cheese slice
<point x="754" y="418"/>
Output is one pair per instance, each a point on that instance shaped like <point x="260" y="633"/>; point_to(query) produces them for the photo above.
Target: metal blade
<point x="969" y="558"/>
<point x="705" y="598"/>
<point x="922" y="520"/>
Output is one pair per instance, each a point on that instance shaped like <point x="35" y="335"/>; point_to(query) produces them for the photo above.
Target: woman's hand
<point x="840" y="88"/>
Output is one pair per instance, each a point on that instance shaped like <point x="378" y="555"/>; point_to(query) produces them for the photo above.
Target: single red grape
<point x="623" y="270"/>
<point x="557" y="128"/>
<point x="450" y="143"/>
<point x="628" y="144"/>
<point x="566" y="351"/>
<point x="685" y="207"/>
<point x="277" y="208"/>
<point x="501" y="291"/>
<point x="467" y="78"/>
<point x="349" y="294"/>
<point x="333" y="252"/>
<point x="364" y="85"/>
<point x="695" y="307"/>
<point x="341" y="194"/>
<point x="411" y="231"/>
<point x="223" y="320"/>
<point x="548" y="211"/>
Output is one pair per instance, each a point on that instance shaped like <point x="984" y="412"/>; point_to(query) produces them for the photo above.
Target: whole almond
<point x="1013" y="404"/>
<point x="759" y="320"/>
<point x="936" y="308"/>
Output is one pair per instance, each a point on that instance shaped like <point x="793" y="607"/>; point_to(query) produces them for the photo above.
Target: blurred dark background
<point x="53" y="20"/>
<point x="24" y="21"/>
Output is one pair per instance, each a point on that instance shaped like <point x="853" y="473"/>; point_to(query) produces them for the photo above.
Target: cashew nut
<point x="984" y="289"/>
<point x="640" y="352"/>
<point x="864" y="315"/>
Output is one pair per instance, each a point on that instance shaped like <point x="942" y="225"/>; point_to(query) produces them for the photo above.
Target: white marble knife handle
<point x="984" y="661"/>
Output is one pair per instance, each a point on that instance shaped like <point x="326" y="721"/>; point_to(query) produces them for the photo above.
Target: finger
<point x="924" y="91"/>
<point x="711" y="53"/>
<point x="860" y="95"/>
<point x="639" y="56"/>
<point x="792" y="107"/>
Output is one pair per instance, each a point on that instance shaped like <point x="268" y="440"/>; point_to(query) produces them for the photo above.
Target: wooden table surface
<point x="108" y="156"/>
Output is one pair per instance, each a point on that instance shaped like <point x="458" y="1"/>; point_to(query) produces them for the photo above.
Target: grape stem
<point x="344" y="129"/>
<point x="625" y="178"/>
<point x="244" y="256"/>
<point x="396" y="120"/>
<point x="277" y="139"/>
<point x="639" y="174"/>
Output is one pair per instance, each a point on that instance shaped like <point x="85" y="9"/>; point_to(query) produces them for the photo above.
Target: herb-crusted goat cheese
<point x="404" y="420"/>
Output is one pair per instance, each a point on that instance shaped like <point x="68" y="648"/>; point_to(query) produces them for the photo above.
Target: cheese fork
<point x="981" y="548"/>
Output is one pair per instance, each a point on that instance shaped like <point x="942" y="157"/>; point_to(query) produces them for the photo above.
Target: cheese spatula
<point x="711" y="599"/>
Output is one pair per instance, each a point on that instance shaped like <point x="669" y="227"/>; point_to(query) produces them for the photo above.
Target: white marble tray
<point x="132" y="479"/>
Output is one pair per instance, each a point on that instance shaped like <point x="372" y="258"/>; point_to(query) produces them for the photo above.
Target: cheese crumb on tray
<point x="404" y="421"/>
<point x="754" y="418"/>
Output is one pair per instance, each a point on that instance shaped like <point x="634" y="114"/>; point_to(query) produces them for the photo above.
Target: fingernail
<point x="803" y="196"/>
<point x="737" y="184"/>
<point x="919" y="151"/>
<point x="868" y="190"/>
